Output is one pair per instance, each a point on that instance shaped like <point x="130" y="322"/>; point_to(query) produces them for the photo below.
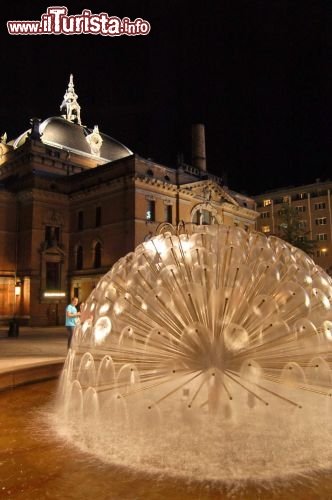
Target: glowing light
<point x="219" y="322"/>
<point x="155" y="245"/>
<point x="54" y="294"/>
<point x="102" y="329"/>
<point x="18" y="289"/>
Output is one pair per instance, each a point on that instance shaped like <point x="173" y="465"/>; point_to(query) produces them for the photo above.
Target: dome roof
<point x="61" y="133"/>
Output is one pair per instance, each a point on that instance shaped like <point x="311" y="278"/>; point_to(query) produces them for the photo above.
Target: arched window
<point x="204" y="214"/>
<point x="206" y="217"/>
<point x="97" y="255"/>
<point x="203" y="217"/>
<point x="79" y="258"/>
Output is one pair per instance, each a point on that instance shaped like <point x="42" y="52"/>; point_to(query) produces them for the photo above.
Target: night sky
<point x="257" y="73"/>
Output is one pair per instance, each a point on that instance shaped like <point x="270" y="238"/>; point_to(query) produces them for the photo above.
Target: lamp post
<point x="18" y="287"/>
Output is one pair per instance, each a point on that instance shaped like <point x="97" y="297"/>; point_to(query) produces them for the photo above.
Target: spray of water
<point x="205" y="355"/>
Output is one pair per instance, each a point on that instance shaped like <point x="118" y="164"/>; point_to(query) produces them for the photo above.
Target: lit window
<point x="285" y="199"/>
<point x="322" y="252"/>
<point x="320" y="206"/>
<point x="266" y="203"/>
<point x="321" y="221"/>
<point x="151" y="210"/>
<point x="266" y="229"/>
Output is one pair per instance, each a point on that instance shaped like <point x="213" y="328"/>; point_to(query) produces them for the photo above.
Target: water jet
<point x="207" y="356"/>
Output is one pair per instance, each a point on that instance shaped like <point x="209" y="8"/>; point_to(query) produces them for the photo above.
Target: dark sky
<point x="257" y="73"/>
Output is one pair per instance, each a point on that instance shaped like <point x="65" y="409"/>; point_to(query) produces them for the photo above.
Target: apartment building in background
<point x="313" y="205"/>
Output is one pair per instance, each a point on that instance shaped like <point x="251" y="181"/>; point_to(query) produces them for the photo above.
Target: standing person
<point x="71" y="316"/>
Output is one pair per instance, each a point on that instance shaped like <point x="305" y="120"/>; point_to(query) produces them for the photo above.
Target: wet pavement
<point x="36" y="464"/>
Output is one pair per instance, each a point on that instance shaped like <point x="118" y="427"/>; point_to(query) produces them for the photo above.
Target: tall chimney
<point x="198" y="146"/>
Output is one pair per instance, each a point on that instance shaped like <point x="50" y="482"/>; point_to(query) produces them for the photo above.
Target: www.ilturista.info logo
<point x="56" y="21"/>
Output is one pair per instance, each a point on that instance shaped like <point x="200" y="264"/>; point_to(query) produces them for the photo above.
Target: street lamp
<point x="18" y="286"/>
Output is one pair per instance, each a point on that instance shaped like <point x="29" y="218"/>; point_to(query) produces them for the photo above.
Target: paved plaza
<point x="34" y="347"/>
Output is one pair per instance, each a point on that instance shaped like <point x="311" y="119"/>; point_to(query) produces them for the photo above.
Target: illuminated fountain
<point x="206" y="356"/>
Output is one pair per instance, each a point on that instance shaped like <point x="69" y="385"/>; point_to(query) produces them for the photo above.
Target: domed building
<point x="74" y="200"/>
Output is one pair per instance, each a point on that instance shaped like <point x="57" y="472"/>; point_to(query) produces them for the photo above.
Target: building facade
<point x="74" y="200"/>
<point x="313" y="204"/>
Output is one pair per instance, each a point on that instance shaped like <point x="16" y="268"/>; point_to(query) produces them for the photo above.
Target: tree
<point x="293" y="231"/>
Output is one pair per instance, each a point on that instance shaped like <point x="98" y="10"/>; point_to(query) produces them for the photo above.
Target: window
<point x="321" y="221"/>
<point x="97" y="256"/>
<point x="300" y="208"/>
<point x="266" y="203"/>
<point x="265" y="215"/>
<point x="266" y="229"/>
<point x="98" y="216"/>
<point x="52" y="235"/>
<point x="52" y="275"/>
<point x="79" y="258"/>
<point x="320" y="206"/>
<point x="302" y="196"/>
<point x="302" y="223"/>
<point x="322" y="236"/>
<point x="80" y="220"/>
<point x="322" y="252"/>
<point x="285" y="199"/>
<point x="168" y="213"/>
<point x="203" y="217"/>
<point x="206" y="217"/>
<point x="151" y="210"/>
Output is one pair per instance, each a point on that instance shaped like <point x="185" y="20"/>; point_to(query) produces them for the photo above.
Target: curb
<point x="30" y="374"/>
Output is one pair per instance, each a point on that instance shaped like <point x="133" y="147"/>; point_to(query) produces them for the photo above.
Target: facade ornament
<point x="53" y="218"/>
<point x="3" y="138"/>
<point x="207" y="193"/>
<point x="35" y="132"/>
<point x="70" y="106"/>
<point x="95" y="141"/>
